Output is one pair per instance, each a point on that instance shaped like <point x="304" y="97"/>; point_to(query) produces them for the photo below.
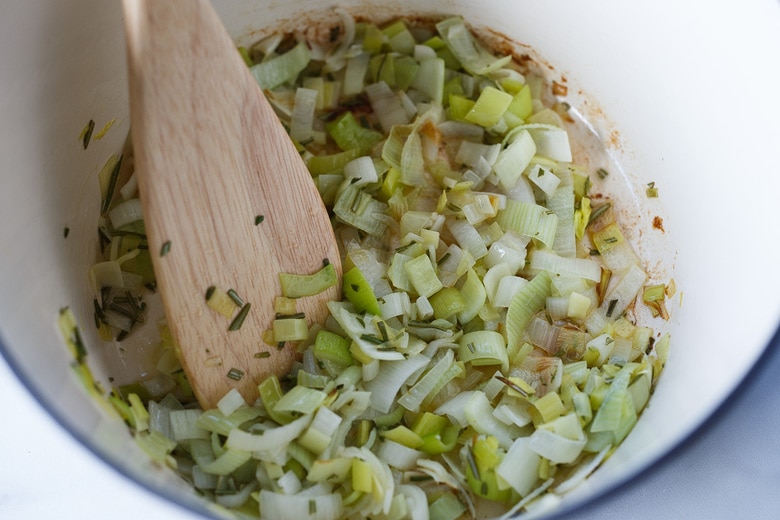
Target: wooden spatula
<point x="227" y="199"/>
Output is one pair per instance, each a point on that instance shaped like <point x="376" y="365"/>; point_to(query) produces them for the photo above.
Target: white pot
<point x="683" y="93"/>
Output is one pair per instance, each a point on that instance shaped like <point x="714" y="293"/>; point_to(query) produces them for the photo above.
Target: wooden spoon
<point x="212" y="161"/>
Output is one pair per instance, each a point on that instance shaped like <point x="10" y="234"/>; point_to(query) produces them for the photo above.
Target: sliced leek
<point x="485" y="345"/>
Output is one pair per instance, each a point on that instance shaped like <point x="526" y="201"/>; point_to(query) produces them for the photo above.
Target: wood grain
<point x="210" y="156"/>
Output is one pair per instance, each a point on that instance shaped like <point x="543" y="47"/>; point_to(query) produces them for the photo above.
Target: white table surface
<point x="729" y="470"/>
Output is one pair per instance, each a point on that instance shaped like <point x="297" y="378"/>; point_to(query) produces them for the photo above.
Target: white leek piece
<point x="519" y="468"/>
<point x="577" y="267"/>
<point x="514" y="159"/>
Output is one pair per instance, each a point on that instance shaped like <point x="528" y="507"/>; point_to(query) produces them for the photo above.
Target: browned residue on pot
<point x="658" y="223"/>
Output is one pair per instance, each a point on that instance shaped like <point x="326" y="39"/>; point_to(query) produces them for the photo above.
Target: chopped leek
<point x="485" y="347"/>
<point x="297" y="286"/>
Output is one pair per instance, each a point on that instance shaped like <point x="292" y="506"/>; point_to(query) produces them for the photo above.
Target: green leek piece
<point x="333" y="163"/>
<point x="608" y="415"/>
<point x="522" y="103"/>
<point x="270" y="394"/>
<point x="390" y="419"/>
<point x="373" y="39"/>
<point x="359" y="292"/>
<point x="582" y="218"/>
<point x="607" y="238"/>
<point x="333" y="348"/>
<point x="362" y="476"/>
<point x="406" y="69"/>
<point x="484" y="482"/>
<point x="399" y="37"/>
<point x="156" y="445"/>
<point x="220" y="301"/>
<point x="460" y="106"/>
<point x="382" y="68"/>
<point x="429" y="423"/>
<point x="283" y="68"/>
<point x="440" y="442"/>
<point x="300" y="400"/>
<point x="453" y="87"/>
<point x="489" y="108"/>
<point x="349" y="134"/>
<point x="290" y="329"/>
<point x="447" y="302"/>
<point x="422" y="276"/>
<point x="403" y="435"/>
<point x="245" y="56"/>
<point x="299" y="285"/>
<point x="549" y="406"/>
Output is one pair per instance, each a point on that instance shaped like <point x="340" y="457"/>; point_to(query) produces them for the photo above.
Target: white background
<point x="729" y="470"/>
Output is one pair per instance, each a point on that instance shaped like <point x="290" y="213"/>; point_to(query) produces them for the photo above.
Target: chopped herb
<point x="240" y="317"/>
<point x="66" y="232"/>
<point x="598" y="211"/>
<point x="235" y="374"/>
<point x="259" y="219"/>
<point x="611" y="308"/>
<point x="86" y="133"/>
<point x="165" y="249"/>
<point x="383" y="330"/>
<point x="472" y="463"/>
<point x="602" y="173"/>
<point x="261" y="355"/>
<point x="296" y="316"/>
<point x="210" y="292"/>
<point x="235" y="297"/>
<point x="512" y="386"/>
<point x="650" y="343"/>
<point x="372" y="339"/>
<point x="112" y="185"/>
<point x="594" y="252"/>
<point x="404" y="247"/>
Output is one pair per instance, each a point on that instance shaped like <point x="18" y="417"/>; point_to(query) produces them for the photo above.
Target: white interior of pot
<point x="645" y="76"/>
